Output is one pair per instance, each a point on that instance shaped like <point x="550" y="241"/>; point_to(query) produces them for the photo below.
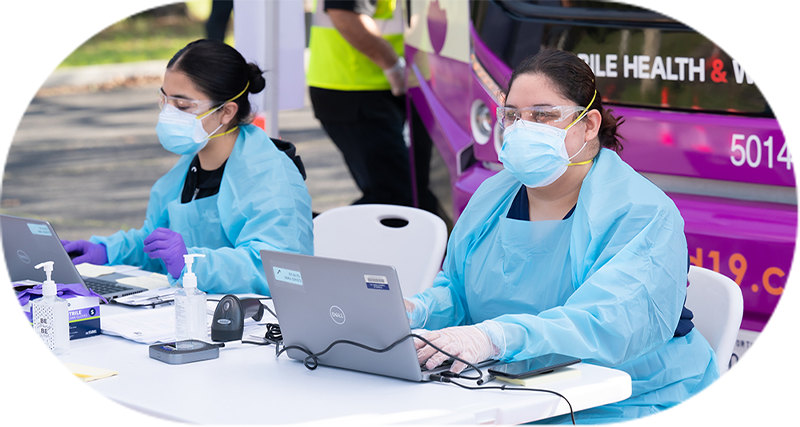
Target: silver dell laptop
<point x="28" y="242"/>
<point x="321" y="300"/>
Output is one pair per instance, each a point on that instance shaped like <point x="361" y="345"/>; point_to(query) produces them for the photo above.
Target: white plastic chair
<point x="370" y="233"/>
<point x="717" y="304"/>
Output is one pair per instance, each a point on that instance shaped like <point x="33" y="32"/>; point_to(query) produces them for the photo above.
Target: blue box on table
<point x="16" y="320"/>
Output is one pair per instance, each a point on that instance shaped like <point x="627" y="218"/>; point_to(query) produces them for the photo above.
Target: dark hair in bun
<point x="257" y="81"/>
<point x="220" y="72"/>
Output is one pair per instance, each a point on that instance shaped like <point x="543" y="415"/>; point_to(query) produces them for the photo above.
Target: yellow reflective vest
<point x="335" y="64"/>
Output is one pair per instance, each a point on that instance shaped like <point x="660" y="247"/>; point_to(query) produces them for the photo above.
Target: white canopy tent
<point x="271" y="33"/>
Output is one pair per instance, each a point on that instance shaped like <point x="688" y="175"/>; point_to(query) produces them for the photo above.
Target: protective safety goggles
<point x="191" y="106"/>
<point x="548" y="115"/>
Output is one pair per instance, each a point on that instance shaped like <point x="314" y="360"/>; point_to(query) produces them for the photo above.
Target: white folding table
<point x="247" y="384"/>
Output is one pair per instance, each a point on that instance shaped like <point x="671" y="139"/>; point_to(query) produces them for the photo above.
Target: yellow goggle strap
<point x="576" y="121"/>
<point x="581" y="163"/>
<point x="586" y="110"/>
<point x="232" y="99"/>
<point x="224" y="133"/>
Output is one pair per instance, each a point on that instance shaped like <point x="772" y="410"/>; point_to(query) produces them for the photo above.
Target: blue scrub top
<point x="613" y="297"/>
<point x="519" y="210"/>
<point x="262" y="203"/>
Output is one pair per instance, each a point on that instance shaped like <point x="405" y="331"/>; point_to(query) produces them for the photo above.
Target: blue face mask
<point x="536" y="153"/>
<point x="181" y="132"/>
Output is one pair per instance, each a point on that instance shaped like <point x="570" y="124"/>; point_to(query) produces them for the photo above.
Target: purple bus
<point x="695" y="123"/>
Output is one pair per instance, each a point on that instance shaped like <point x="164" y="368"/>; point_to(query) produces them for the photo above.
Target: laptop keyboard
<point x="103" y="287"/>
<point x="445" y="364"/>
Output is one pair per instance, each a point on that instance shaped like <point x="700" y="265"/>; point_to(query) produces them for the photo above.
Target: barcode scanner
<point x="228" y="322"/>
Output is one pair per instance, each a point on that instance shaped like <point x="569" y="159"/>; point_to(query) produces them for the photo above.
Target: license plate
<point x="763" y="364"/>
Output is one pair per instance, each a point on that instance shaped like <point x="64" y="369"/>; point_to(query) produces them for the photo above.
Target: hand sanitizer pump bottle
<point x="50" y="314"/>
<point x="190" y="309"/>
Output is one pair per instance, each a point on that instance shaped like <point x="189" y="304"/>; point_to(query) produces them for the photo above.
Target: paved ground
<point x="86" y="163"/>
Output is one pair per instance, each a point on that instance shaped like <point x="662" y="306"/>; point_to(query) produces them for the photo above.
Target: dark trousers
<point x="367" y="127"/>
<point x="218" y="20"/>
<point x="422" y="150"/>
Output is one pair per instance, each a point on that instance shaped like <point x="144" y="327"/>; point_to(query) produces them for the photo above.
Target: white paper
<point x="91" y="270"/>
<point x="153" y="326"/>
<point x="131" y="270"/>
<point x="142" y="325"/>
<point x="152" y="281"/>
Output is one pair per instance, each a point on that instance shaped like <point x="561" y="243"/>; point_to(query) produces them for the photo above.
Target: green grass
<point x="64" y="33"/>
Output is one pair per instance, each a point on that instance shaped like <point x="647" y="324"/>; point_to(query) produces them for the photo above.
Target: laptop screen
<point x="321" y="300"/>
<point x="28" y="242"/>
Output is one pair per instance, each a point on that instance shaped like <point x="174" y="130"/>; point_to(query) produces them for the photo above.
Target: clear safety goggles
<point x="548" y="115"/>
<point x="191" y="106"/>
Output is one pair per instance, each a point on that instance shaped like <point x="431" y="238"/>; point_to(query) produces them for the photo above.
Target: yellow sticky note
<point x="77" y="372"/>
<point x="558" y="374"/>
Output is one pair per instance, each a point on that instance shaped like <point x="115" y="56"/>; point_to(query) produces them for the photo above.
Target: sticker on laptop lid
<point x="39" y="229"/>
<point x="377" y="282"/>
<point x="286" y="275"/>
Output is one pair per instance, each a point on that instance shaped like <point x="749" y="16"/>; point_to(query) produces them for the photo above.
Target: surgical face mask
<point x="181" y="132"/>
<point x="536" y="153"/>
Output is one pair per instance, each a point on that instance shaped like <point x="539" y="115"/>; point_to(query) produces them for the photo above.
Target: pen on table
<point x="149" y="298"/>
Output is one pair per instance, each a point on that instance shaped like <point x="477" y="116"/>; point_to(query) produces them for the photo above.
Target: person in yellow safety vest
<point x="356" y="79"/>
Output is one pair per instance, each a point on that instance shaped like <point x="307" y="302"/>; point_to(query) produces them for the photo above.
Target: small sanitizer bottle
<point x="190" y="309"/>
<point x="50" y="315"/>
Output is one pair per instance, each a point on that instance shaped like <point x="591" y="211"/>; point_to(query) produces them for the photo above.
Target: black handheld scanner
<point x="228" y="322"/>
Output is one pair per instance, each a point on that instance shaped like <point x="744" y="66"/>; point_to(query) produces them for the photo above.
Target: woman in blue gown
<point x="568" y="250"/>
<point x="232" y="193"/>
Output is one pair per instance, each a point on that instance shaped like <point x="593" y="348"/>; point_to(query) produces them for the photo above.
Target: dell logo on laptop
<point x="337" y="315"/>
<point x="23" y="256"/>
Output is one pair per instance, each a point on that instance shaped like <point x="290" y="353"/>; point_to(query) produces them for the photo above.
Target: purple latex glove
<point x="84" y="251"/>
<point x="63" y="291"/>
<point x="168" y="245"/>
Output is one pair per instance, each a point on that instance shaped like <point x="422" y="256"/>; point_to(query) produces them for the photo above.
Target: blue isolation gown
<point x="606" y="285"/>
<point x="262" y="203"/>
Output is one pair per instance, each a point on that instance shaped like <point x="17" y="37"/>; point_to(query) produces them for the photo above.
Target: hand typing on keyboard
<point x="448" y="362"/>
<point x="84" y="251"/>
<point x="465" y="342"/>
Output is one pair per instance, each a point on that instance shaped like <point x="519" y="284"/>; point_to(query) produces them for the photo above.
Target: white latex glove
<point x="397" y="76"/>
<point x="469" y="343"/>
